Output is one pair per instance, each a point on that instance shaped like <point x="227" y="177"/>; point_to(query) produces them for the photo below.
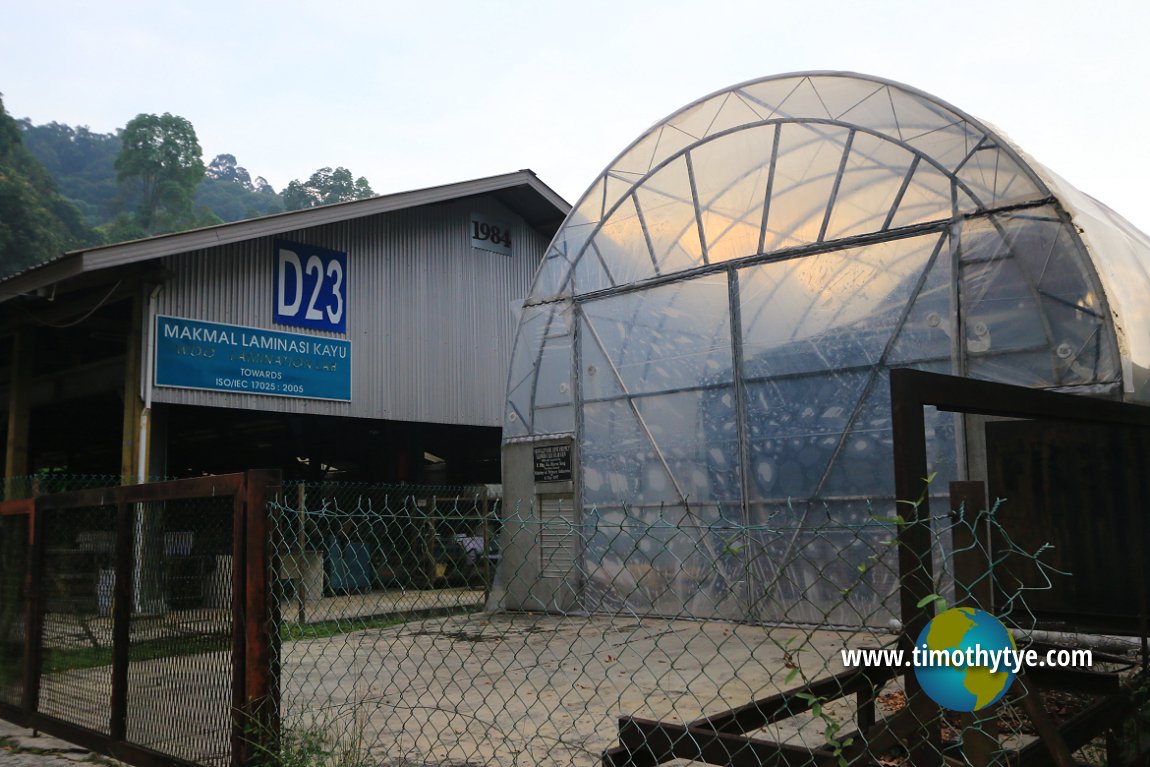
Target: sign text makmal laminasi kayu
<point x="206" y="355"/>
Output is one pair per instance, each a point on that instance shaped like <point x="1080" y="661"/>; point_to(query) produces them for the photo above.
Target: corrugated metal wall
<point x="431" y="320"/>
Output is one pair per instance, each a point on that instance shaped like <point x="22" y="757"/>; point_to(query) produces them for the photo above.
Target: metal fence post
<point x="34" y="616"/>
<point x="973" y="587"/>
<point x="260" y="627"/>
<point x="121" y="620"/>
<point x="915" y="567"/>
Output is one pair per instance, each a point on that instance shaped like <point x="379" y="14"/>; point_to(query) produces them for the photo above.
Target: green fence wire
<point x="450" y="626"/>
<point x="443" y="626"/>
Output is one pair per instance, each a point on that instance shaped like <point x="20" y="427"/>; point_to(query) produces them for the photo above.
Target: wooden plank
<point x="764" y="711"/>
<point x="647" y="742"/>
<point x="1048" y="731"/>
<point x="1076" y="732"/>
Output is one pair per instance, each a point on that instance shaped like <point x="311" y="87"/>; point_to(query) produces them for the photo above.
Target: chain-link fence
<point x="446" y="626"/>
<point x="48" y="482"/>
<point x="442" y="627"/>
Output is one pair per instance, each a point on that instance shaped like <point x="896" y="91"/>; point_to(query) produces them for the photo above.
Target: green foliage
<point x="292" y="632"/>
<point x="149" y="178"/>
<point x="326" y="186"/>
<point x="159" y="166"/>
<point x="938" y="601"/>
<point x="322" y="746"/>
<point x="59" y="660"/>
<point x="82" y="164"/>
<point x="224" y="168"/>
<point x="230" y="193"/>
<point x="36" y="223"/>
<point x="831" y="727"/>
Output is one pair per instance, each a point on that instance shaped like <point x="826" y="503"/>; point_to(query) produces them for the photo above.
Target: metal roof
<point x="522" y="191"/>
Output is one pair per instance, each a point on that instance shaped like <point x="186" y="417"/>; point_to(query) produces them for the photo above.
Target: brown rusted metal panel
<point x="100" y="743"/>
<point x="1074" y="492"/>
<point x="22" y="506"/>
<point x="126" y="499"/>
<point x="196" y="487"/>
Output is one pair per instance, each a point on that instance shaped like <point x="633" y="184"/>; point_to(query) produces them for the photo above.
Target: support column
<point x="133" y="404"/>
<point x="19" y="414"/>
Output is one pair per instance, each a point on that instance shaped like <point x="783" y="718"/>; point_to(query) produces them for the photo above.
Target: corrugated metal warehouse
<point x="366" y="340"/>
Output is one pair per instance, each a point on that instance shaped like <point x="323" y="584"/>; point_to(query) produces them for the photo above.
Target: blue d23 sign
<point x="310" y="287"/>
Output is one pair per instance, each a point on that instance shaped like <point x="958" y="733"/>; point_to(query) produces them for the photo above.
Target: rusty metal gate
<point x="133" y="620"/>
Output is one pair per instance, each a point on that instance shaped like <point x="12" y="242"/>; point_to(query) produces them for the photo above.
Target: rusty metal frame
<point x="722" y="738"/>
<point x="913" y="390"/>
<point x="255" y="690"/>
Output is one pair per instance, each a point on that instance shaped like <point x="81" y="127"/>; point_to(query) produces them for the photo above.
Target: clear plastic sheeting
<point x="715" y="323"/>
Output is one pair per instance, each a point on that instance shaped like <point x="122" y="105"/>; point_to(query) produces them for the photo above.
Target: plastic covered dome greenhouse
<point x="698" y="397"/>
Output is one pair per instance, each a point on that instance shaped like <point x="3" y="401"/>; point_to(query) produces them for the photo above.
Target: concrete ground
<point x="506" y="689"/>
<point x="77" y="630"/>
<point x="535" y="689"/>
<point x="181" y="705"/>
<point x="19" y="747"/>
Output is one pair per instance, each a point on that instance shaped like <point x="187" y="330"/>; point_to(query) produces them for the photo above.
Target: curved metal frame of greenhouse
<point x="713" y="325"/>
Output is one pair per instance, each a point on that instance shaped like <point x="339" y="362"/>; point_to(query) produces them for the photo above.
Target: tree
<point x="229" y="192"/>
<point x="231" y="201"/>
<point x="326" y="186"/>
<point x="81" y="162"/>
<point x="160" y="165"/>
<point x="36" y="223"/>
<point x="224" y="168"/>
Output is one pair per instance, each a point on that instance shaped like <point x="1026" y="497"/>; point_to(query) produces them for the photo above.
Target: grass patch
<point x="57" y="660"/>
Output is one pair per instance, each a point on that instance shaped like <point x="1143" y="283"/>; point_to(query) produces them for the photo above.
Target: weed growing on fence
<point x="316" y="746"/>
<point x="325" y="740"/>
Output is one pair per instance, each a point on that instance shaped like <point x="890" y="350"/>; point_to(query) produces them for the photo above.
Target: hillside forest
<point x="66" y="187"/>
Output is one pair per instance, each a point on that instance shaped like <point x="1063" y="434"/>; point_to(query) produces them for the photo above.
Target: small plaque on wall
<point x="553" y="463"/>
<point x="489" y="235"/>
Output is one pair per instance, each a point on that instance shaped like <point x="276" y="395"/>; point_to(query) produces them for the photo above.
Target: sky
<point x="416" y="94"/>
